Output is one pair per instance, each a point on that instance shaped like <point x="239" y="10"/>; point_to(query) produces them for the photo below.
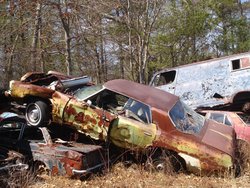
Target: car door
<point x="87" y="118"/>
<point x="132" y="134"/>
<point x="134" y="129"/>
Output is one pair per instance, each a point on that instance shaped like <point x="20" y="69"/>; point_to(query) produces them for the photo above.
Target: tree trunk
<point x="66" y="26"/>
<point x="97" y="66"/>
<point x="68" y="51"/>
<point x="36" y="36"/>
<point x="10" y="62"/>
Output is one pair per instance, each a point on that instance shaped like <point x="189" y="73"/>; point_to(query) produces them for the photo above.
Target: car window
<point x="142" y="111"/>
<point x="11" y="125"/>
<point x="165" y="78"/>
<point x="185" y="119"/>
<point x="11" y="129"/>
<point x="220" y="118"/>
<point x="108" y="100"/>
<point x="87" y="91"/>
<point x="227" y="121"/>
<point x="217" y="117"/>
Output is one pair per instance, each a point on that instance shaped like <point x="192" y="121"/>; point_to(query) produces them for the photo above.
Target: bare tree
<point x="36" y="37"/>
<point x="64" y="14"/>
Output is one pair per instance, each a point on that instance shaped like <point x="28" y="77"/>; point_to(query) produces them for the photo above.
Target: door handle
<point x="147" y="134"/>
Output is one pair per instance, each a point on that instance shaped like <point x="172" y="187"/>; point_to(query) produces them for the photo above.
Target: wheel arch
<point x="178" y="162"/>
<point x="240" y="96"/>
<point x="241" y="100"/>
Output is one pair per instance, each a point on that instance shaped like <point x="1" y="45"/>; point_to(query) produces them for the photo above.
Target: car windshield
<point x="87" y="91"/>
<point x="185" y="119"/>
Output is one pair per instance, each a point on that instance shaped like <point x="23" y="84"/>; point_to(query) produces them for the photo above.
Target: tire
<point x="166" y="162"/>
<point x="37" y="113"/>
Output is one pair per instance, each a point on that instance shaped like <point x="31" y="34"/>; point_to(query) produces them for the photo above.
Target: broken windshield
<point x="185" y="119"/>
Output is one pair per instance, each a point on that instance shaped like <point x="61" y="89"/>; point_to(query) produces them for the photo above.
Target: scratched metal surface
<point x="197" y="83"/>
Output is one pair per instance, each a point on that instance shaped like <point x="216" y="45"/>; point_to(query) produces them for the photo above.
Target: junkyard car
<point x="238" y="120"/>
<point x="59" y="156"/>
<point x="5" y="115"/>
<point x="133" y="116"/>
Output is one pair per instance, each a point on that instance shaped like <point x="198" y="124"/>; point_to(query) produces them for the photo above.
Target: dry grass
<point x="244" y="156"/>
<point x="17" y="179"/>
<point x="136" y="176"/>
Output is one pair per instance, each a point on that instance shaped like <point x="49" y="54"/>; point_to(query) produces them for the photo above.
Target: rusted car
<point x="35" y="87"/>
<point x="41" y="146"/>
<point x="137" y="117"/>
<point x="238" y="120"/>
<point x="211" y="82"/>
<point x="5" y="115"/>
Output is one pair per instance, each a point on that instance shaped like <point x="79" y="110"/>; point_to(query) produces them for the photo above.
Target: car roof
<point x="143" y="93"/>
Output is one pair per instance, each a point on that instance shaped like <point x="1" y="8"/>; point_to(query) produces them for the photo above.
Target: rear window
<point x="220" y="118"/>
<point x="185" y="119"/>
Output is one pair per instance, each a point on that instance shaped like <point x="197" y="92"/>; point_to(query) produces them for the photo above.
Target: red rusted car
<point x="133" y="116"/>
<point x="238" y="120"/>
<point x="42" y="146"/>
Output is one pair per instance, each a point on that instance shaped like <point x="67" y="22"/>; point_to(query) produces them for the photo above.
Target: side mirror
<point x="89" y="102"/>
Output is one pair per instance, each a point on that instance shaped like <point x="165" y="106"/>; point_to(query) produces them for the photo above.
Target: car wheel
<point x="161" y="164"/>
<point x="37" y="113"/>
<point x="169" y="164"/>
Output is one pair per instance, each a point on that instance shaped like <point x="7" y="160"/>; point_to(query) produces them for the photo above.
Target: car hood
<point x="79" y="147"/>
<point x="220" y="137"/>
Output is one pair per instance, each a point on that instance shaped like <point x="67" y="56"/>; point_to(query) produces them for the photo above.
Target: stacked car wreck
<point x="129" y="115"/>
<point x="41" y="146"/>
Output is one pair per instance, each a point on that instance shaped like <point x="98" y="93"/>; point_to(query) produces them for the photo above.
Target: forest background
<point x="108" y="39"/>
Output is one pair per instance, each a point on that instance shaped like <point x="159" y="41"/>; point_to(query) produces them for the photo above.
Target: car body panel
<point x="86" y="119"/>
<point x="23" y="89"/>
<point x="132" y="134"/>
<point x="242" y="128"/>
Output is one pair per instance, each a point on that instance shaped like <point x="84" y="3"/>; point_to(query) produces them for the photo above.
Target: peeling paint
<point x="223" y="76"/>
<point x="59" y="157"/>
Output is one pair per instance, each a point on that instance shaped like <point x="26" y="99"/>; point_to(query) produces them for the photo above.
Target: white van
<point x="207" y="83"/>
